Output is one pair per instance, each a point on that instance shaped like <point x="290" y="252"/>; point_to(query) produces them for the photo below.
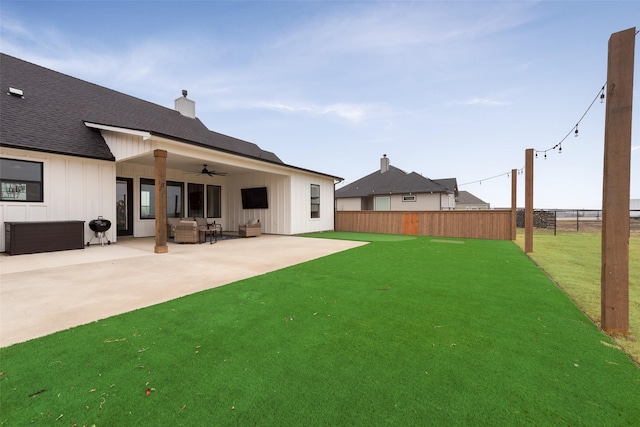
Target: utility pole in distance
<point x="614" y="282"/>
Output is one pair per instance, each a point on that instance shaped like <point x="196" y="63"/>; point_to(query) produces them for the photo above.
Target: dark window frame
<point x="214" y="201"/>
<point x="33" y="188"/>
<point x="315" y="201"/>
<point x="195" y="200"/>
<point x="150" y="183"/>
<point x="180" y="186"/>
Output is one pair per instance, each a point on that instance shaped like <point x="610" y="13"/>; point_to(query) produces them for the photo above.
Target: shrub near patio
<point x="409" y="332"/>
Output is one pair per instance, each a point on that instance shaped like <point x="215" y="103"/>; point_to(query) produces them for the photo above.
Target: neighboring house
<point x="468" y="202"/>
<point x="391" y="189"/>
<point x="73" y="150"/>
<point x="634" y="207"/>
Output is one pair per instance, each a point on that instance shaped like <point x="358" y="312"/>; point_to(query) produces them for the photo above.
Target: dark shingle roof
<point x="466" y="198"/>
<point x="396" y="181"/>
<point x="51" y="116"/>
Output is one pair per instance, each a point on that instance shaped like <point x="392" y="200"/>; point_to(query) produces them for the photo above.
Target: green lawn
<point x="419" y="331"/>
<point x="573" y="260"/>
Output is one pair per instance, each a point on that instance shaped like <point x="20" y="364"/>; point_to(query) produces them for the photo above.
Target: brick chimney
<point x="185" y="106"/>
<point x="384" y="163"/>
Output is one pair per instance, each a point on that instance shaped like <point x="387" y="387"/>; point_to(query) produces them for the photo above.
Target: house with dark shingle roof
<point x="468" y="202"/>
<point x="392" y="189"/>
<point x="73" y="150"/>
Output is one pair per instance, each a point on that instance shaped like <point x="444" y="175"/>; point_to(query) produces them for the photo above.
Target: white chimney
<point x="384" y="164"/>
<point x="185" y="106"/>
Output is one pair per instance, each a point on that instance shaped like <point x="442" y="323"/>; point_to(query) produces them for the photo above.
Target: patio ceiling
<point x="191" y="164"/>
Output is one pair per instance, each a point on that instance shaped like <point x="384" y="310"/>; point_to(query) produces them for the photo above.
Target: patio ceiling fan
<point x="206" y="171"/>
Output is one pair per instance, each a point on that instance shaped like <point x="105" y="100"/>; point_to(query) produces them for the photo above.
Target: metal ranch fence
<point x="586" y="220"/>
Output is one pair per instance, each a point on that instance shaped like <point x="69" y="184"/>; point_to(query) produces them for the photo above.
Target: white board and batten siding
<point x="276" y="218"/>
<point x="74" y="189"/>
<point x="126" y="146"/>
<point x="289" y="198"/>
<point x="301" y="203"/>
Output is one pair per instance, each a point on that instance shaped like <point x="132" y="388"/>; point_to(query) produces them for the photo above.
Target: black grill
<point x="99" y="226"/>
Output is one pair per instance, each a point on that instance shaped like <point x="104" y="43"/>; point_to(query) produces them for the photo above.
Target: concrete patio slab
<point x="49" y="292"/>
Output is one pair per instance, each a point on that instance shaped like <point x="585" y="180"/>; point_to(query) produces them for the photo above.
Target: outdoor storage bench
<point x="43" y="236"/>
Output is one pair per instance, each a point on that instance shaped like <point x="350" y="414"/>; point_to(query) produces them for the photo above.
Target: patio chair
<point x="171" y="227"/>
<point x="188" y="232"/>
<point x="252" y="228"/>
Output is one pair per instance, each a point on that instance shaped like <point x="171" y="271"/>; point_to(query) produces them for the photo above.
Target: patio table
<point x="212" y="231"/>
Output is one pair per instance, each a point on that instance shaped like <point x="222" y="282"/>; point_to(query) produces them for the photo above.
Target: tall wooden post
<point x="514" y="202"/>
<point x="528" y="201"/>
<point x="614" y="283"/>
<point x="161" y="201"/>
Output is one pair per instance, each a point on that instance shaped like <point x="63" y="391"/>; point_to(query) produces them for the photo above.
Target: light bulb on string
<point x="576" y="132"/>
<point x="560" y="149"/>
<point x="602" y="98"/>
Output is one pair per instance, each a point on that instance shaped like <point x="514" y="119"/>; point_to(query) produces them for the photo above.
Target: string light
<point x="479" y="181"/>
<point x="558" y="146"/>
<point x="574" y="129"/>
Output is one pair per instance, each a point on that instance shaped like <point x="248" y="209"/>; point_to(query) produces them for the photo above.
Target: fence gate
<point x="410" y="224"/>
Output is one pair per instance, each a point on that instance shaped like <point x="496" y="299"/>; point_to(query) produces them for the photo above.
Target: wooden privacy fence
<point x="485" y="224"/>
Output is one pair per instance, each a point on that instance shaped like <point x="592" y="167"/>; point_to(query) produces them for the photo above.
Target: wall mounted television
<point x="254" y="198"/>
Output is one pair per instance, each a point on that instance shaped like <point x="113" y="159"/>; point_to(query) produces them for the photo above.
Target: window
<point x="20" y="181"/>
<point x="315" y="201"/>
<point x="175" y="199"/>
<point x="383" y="203"/>
<point x="196" y="200"/>
<point x="411" y="198"/>
<point x="214" y="201"/>
<point x="148" y="199"/>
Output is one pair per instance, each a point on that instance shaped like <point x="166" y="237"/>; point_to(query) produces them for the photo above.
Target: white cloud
<point x="484" y="102"/>
<point x="352" y="113"/>
<point x="389" y="26"/>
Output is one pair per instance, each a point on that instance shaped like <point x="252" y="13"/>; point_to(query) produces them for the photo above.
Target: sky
<point x="447" y="89"/>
